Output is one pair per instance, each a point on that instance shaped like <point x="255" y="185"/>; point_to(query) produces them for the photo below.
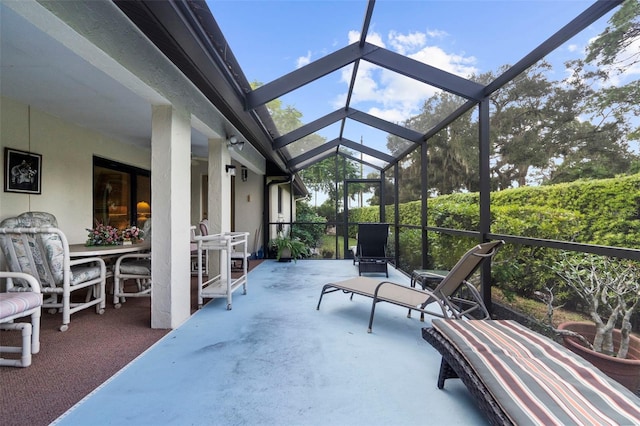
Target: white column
<point x="219" y="196"/>
<point x="170" y="189"/>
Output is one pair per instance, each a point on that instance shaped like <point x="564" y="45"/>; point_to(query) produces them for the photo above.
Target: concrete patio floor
<point x="275" y="360"/>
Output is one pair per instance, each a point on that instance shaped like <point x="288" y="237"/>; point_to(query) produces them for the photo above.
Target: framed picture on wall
<point x="22" y="171"/>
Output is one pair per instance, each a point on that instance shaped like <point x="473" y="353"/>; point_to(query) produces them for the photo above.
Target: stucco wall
<point x="67" y="173"/>
<point x="67" y="165"/>
<point x="199" y="168"/>
<point x="283" y="216"/>
<point x="249" y="207"/>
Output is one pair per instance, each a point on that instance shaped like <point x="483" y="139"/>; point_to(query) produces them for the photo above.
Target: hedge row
<point x="603" y="212"/>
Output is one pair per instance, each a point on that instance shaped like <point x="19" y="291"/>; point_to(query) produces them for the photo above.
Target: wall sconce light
<point x="231" y="169"/>
<point x="244" y="173"/>
<point x="235" y="143"/>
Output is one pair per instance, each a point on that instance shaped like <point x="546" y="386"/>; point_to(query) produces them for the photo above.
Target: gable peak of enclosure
<point x="187" y="32"/>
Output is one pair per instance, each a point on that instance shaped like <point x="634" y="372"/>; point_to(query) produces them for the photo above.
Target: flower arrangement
<point x="132" y="233"/>
<point x="107" y="235"/>
<point x="102" y="235"/>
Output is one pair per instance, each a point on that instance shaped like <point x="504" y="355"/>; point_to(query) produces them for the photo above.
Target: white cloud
<point x="303" y="60"/>
<point x="394" y="97"/>
<point x="573" y="48"/>
<point x="402" y="43"/>
<point x="437" y="34"/>
<point x="372" y="37"/>
<point x="455" y="64"/>
<point x="391" y="115"/>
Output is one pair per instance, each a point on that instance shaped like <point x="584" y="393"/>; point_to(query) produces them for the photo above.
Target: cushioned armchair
<point x="132" y="273"/>
<point x="135" y="267"/>
<point x="31" y="243"/>
<point x="14" y="305"/>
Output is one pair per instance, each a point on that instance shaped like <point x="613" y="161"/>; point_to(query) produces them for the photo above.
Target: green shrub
<point x="602" y="212"/>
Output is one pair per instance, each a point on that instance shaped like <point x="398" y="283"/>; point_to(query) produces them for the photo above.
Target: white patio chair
<point x="20" y="304"/>
<point x="32" y="244"/>
<point x="204" y="231"/>
<point x="134" y="267"/>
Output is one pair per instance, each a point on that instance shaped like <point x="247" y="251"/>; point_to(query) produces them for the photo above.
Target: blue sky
<point x="272" y="38"/>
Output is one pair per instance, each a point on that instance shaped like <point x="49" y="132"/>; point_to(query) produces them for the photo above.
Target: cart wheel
<point x="64" y="327"/>
<point x="118" y="305"/>
<point x="53" y="311"/>
<point x="101" y="311"/>
<point x="229" y="307"/>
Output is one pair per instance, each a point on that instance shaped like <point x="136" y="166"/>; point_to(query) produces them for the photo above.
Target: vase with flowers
<point x="131" y="235"/>
<point x="102" y="235"/>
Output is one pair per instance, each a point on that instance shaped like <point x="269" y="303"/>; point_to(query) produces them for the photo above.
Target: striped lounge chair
<point x="520" y="377"/>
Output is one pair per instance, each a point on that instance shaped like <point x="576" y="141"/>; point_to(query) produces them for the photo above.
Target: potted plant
<point x="610" y="291"/>
<point x="287" y="247"/>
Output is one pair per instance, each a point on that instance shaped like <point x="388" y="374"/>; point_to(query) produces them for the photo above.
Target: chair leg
<point x="117" y="290"/>
<point x="35" y="332"/>
<point x="25" y="350"/>
<point x="446" y="372"/>
<point x="373" y="310"/>
<point x="66" y="312"/>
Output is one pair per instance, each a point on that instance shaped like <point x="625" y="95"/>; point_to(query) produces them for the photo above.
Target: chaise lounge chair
<point x="455" y="297"/>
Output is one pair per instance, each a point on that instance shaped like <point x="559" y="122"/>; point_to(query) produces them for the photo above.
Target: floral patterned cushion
<point x="41" y="255"/>
<point x="80" y="274"/>
<point x="136" y="267"/>
<point x="30" y="220"/>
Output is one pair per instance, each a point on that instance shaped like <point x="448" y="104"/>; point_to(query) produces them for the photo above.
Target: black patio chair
<point x="371" y="249"/>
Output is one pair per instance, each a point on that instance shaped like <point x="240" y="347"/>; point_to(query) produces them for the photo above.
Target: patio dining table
<point x="81" y="250"/>
<point x="107" y="253"/>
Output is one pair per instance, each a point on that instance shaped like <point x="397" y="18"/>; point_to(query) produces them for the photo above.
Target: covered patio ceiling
<point x="188" y="32"/>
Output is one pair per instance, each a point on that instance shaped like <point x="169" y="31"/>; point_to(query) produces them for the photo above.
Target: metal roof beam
<point x="313" y="152"/>
<point x="328" y="154"/>
<point x="354" y="114"/>
<point x="385" y="125"/>
<point x="582" y="21"/>
<point x="366" y="163"/>
<point x="424" y="73"/>
<point x="366" y="150"/>
<point x="309" y="128"/>
<point x="441" y="125"/>
<point x="307" y="74"/>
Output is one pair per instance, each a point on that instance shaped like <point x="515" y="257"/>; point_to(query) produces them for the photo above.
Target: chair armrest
<point x="30" y="280"/>
<point x="83" y="260"/>
<point x="427" y="295"/>
<point x="131" y="256"/>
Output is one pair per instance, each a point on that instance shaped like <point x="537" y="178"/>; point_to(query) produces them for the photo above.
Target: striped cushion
<point x="15" y="303"/>
<point x="537" y="381"/>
